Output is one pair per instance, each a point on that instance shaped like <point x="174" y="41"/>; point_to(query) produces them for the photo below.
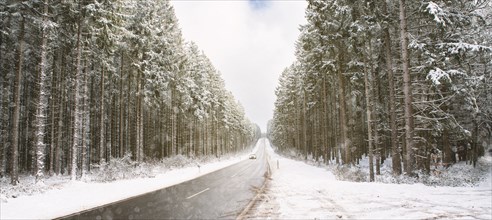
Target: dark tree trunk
<point x="102" y="127"/>
<point x="345" y="145"/>
<point x="395" y="148"/>
<point x="15" y="127"/>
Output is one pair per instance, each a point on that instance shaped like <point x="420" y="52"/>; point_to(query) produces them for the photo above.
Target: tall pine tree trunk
<point x="85" y="123"/>
<point x="173" y="123"/>
<point x="304" y="125"/>
<point x="102" y="138"/>
<point x="54" y="86"/>
<point x="141" y="126"/>
<point x="395" y="148"/>
<point x="369" y="121"/>
<point x="77" y="104"/>
<point x="58" y="150"/>
<point x="3" y="96"/>
<point x="345" y="145"/>
<point x="139" y="118"/>
<point x="373" y="80"/>
<point x="3" y="126"/>
<point x="15" y="127"/>
<point x="407" y="91"/>
<point x="122" y="109"/>
<point x="61" y="109"/>
<point x="325" y="122"/>
<point x="191" y="145"/>
<point x="128" y="116"/>
<point x="109" y="146"/>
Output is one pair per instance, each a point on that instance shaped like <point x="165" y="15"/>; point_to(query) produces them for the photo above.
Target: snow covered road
<point x="301" y="191"/>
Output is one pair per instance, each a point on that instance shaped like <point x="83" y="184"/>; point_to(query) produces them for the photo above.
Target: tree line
<point x="86" y="81"/>
<point x="406" y="80"/>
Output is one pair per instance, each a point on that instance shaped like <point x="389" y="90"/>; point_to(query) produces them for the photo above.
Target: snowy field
<point x="59" y="196"/>
<point x="301" y="191"/>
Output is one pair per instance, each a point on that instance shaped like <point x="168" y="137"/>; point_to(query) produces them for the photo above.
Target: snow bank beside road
<point x="301" y="191"/>
<point x="64" y="197"/>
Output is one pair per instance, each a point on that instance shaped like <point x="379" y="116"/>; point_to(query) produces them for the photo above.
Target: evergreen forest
<point x="86" y="81"/>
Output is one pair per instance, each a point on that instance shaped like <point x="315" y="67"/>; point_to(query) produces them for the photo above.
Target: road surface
<point x="220" y="194"/>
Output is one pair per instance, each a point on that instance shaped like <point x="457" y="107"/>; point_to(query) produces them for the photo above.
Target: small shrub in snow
<point x="28" y="186"/>
<point x="457" y="175"/>
<point x="460" y="174"/>
<point x="347" y="173"/>
<point x="3" y="198"/>
<point x="119" y="168"/>
<point x="177" y="161"/>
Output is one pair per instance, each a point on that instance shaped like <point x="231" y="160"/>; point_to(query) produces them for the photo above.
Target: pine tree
<point x="78" y="112"/>
<point x="395" y="149"/>
<point x="17" y="105"/>
<point x="43" y="96"/>
<point x="369" y="106"/>
<point x="407" y="90"/>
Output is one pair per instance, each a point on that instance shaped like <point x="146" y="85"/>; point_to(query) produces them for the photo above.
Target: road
<point x="220" y="194"/>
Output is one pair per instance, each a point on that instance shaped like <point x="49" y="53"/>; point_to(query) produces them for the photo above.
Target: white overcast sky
<point x="249" y="42"/>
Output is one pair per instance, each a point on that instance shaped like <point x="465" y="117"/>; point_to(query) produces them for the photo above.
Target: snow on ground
<point x="301" y="191"/>
<point x="59" y="196"/>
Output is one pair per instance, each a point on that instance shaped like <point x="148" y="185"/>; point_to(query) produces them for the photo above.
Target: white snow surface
<point x="301" y="191"/>
<point x="65" y="197"/>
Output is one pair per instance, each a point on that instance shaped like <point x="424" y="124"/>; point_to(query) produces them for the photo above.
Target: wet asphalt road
<point x="220" y="194"/>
